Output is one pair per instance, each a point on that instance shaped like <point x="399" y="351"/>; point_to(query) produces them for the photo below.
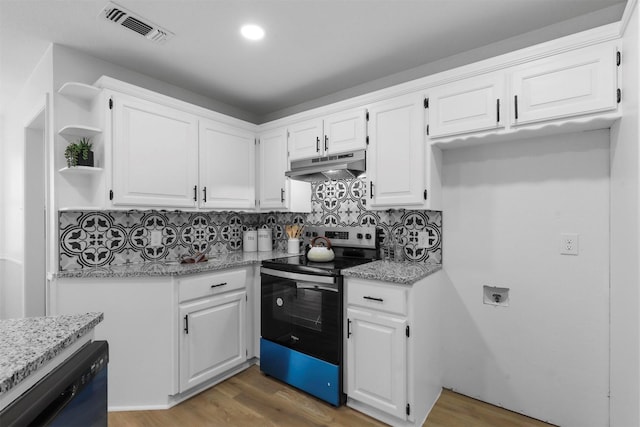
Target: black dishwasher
<point x="73" y="394"/>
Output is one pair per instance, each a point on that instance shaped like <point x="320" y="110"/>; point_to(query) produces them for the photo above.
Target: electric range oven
<point x="302" y="312"/>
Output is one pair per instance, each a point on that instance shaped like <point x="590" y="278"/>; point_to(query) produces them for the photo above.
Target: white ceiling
<point x="312" y="48"/>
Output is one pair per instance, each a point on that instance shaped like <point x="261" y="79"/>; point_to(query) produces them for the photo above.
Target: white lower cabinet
<point x="393" y="348"/>
<point x="213" y="338"/>
<point x="377" y="362"/>
<point x="212" y="326"/>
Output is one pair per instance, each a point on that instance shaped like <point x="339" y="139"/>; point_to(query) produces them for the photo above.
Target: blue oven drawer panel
<point x="315" y="376"/>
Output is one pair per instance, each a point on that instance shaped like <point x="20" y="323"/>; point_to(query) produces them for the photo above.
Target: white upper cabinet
<point x="345" y="131"/>
<point x="399" y="167"/>
<point x="272" y="152"/>
<point x="337" y="133"/>
<point x="304" y="139"/>
<point x="155" y="154"/>
<point x="579" y="82"/>
<point x="468" y="105"/>
<point x="227" y="167"/>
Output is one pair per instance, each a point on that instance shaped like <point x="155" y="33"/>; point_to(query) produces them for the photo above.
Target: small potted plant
<point x="79" y="153"/>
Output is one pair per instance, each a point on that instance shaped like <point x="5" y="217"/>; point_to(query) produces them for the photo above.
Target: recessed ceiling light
<point x="252" y="32"/>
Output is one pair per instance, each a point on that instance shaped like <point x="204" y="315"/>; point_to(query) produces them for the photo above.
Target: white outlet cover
<point x="156" y="238"/>
<point x="569" y="243"/>
<point x="423" y="239"/>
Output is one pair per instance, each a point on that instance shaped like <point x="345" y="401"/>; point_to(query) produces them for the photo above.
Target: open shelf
<point x="79" y="91"/>
<point x="80" y="208"/>
<point x="81" y="170"/>
<point x="71" y="132"/>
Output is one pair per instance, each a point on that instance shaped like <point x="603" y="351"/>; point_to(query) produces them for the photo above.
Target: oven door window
<point x="303" y="315"/>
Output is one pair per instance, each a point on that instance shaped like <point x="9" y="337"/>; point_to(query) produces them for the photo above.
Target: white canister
<point x="293" y="246"/>
<point x="264" y="239"/>
<point x="250" y="241"/>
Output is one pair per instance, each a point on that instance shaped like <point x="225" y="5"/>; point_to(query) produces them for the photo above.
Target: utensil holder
<point x="293" y="246"/>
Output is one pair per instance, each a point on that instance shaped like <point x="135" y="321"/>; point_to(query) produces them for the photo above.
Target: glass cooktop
<point x="300" y="264"/>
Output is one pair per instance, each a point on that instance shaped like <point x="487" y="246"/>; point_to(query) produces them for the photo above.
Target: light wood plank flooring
<point x="253" y="399"/>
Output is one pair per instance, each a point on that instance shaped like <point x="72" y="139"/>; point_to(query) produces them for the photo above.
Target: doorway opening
<point x="35" y="214"/>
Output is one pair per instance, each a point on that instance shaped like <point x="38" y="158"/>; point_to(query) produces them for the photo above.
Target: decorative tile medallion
<point x="95" y="239"/>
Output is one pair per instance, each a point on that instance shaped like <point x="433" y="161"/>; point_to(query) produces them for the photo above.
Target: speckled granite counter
<point x="29" y="343"/>
<point x="218" y="261"/>
<point x="405" y="273"/>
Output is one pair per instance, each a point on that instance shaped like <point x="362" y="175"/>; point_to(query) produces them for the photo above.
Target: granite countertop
<point x="406" y="273"/>
<point x="218" y="261"/>
<point x="27" y="344"/>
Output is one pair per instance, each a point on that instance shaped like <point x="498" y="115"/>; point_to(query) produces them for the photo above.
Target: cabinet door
<point x="212" y="338"/>
<point x="396" y="153"/>
<point x="467" y="105"/>
<point x="377" y="360"/>
<point x="155" y="154"/>
<point x="227" y="166"/>
<point x="273" y="164"/>
<point x="305" y="140"/>
<point x="345" y="131"/>
<point x="579" y="82"/>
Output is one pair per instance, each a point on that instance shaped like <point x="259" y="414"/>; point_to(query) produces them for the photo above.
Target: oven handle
<point x="316" y="287"/>
<point x="299" y="277"/>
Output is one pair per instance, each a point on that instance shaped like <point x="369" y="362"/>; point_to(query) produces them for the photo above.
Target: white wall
<point x="554" y="31"/>
<point x="505" y="205"/>
<point x="2" y="215"/>
<point x="73" y="65"/>
<point x="625" y="241"/>
<point x="31" y="98"/>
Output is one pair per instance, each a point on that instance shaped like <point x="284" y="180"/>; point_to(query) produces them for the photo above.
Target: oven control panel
<point x="355" y="237"/>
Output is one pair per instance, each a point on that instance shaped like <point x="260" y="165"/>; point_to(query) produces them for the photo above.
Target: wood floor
<point x="252" y="399"/>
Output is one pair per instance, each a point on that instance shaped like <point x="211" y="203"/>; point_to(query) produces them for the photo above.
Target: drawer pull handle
<point x="373" y="298"/>
<point x="219" y="284"/>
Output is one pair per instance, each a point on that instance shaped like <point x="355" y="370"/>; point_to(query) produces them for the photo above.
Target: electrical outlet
<point x="423" y="239"/>
<point x="569" y="244"/>
<point x="156" y="238"/>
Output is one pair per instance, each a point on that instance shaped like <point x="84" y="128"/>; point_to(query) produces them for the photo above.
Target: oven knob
<point x="314" y="233"/>
<point x="368" y="236"/>
<point x="359" y="235"/>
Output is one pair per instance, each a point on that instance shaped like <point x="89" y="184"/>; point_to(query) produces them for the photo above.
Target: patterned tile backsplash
<point x="100" y="238"/>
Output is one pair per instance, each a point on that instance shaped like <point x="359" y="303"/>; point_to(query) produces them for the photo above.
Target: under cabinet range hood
<point x="339" y="166"/>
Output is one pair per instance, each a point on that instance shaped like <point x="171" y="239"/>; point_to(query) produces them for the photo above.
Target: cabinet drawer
<point x="211" y="284"/>
<point x="379" y="297"/>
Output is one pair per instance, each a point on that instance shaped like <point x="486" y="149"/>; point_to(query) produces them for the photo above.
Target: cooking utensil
<point x="319" y="252"/>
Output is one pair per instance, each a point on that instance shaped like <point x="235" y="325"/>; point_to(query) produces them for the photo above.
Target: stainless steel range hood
<point x="339" y="166"/>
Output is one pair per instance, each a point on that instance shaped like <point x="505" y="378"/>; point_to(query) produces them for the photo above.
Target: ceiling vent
<point x="119" y="15"/>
